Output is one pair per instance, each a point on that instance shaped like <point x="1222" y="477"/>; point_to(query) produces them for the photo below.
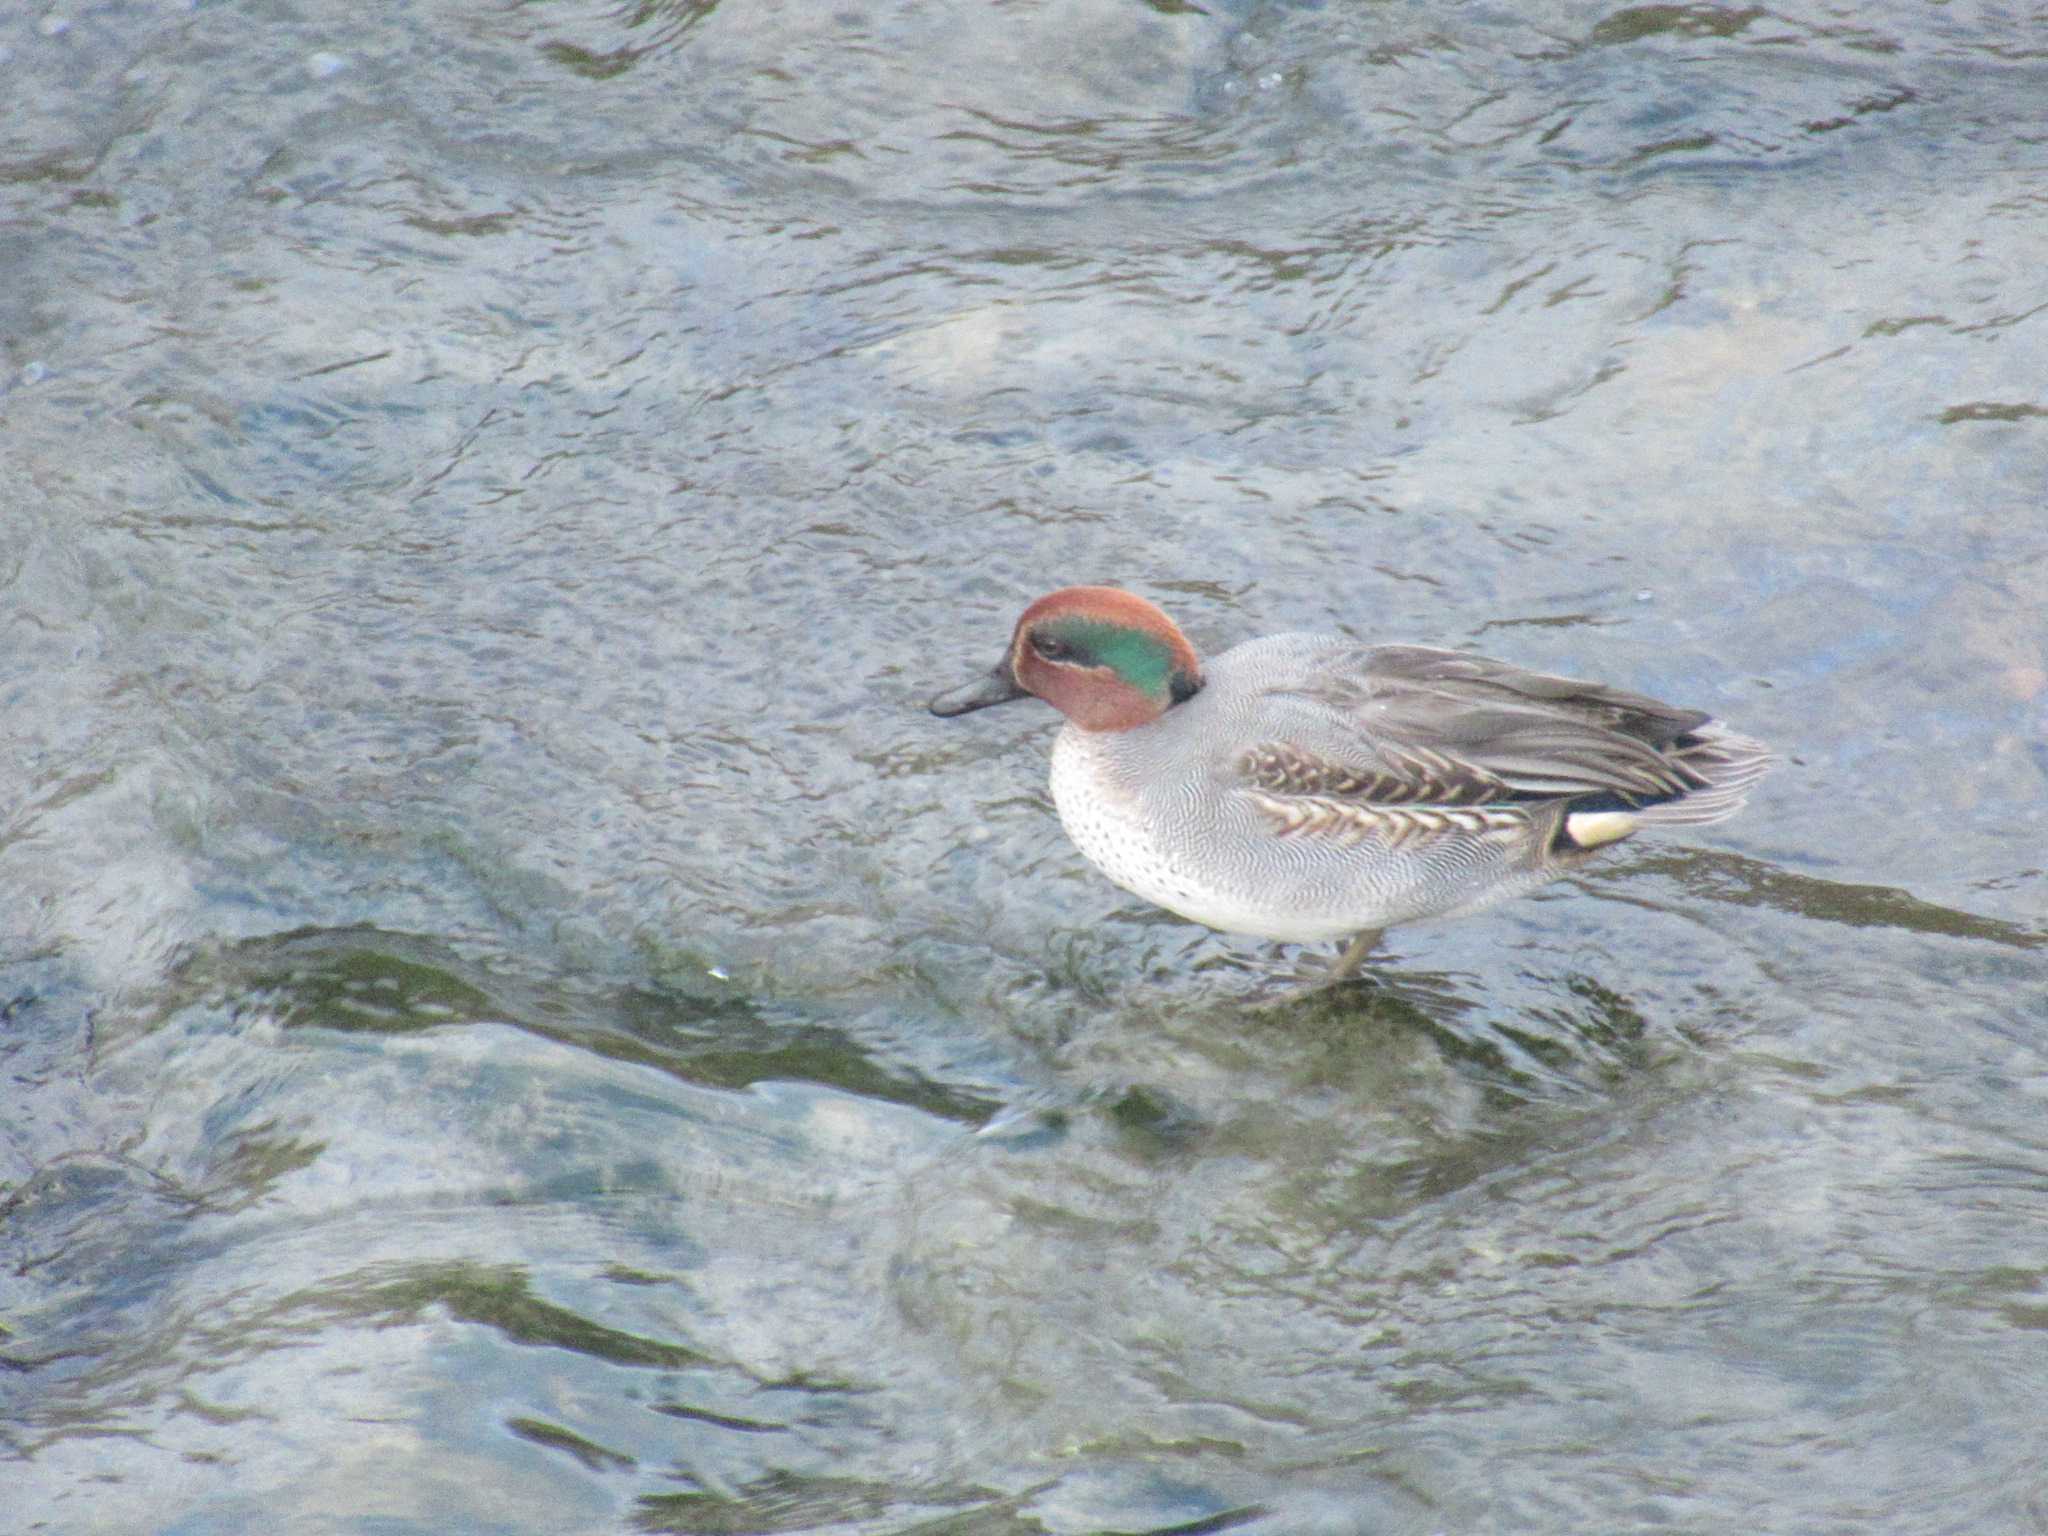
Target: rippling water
<point x="514" y="1018"/>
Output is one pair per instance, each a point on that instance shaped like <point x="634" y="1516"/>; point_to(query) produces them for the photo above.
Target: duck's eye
<point x="1052" y="648"/>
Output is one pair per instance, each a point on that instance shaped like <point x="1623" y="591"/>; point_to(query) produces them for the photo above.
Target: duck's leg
<point x="1353" y="956"/>
<point x="1339" y="969"/>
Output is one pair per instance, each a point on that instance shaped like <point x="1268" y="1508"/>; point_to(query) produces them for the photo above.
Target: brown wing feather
<point x="1351" y="822"/>
<point x="1398" y="776"/>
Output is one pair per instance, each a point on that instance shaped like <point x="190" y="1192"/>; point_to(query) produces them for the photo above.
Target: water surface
<point x="516" y="1020"/>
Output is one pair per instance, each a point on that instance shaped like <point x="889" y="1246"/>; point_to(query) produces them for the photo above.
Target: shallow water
<point x="516" y="1020"/>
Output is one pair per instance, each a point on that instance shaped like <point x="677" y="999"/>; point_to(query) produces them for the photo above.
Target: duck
<point x="1310" y="787"/>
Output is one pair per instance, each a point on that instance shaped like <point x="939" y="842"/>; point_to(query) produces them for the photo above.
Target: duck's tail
<point x="1721" y="765"/>
<point x="1727" y="764"/>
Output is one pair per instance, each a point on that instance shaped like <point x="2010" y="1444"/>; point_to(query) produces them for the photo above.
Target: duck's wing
<point x="1415" y="726"/>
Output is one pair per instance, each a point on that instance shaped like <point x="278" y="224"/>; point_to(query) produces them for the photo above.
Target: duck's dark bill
<point x="999" y="687"/>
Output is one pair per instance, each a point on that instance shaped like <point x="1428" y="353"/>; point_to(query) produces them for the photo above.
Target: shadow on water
<point x="370" y="981"/>
<point x="1728" y="877"/>
<point x="497" y="1297"/>
<point x="789" y="1505"/>
<point x="1556" y="1042"/>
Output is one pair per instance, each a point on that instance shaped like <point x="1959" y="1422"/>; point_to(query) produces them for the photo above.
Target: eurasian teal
<point x="1308" y="787"/>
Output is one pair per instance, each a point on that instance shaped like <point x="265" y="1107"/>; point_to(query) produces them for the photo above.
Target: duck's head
<point x="1106" y="659"/>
